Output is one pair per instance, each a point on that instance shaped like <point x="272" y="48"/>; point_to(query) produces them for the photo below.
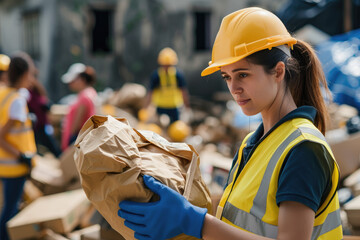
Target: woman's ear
<point x="280" y="71"/>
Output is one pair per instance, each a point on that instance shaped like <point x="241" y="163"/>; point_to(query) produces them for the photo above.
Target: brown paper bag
<point x="111" y="158"/>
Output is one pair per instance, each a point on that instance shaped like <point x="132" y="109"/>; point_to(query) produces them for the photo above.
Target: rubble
<point x="55" y="207"/>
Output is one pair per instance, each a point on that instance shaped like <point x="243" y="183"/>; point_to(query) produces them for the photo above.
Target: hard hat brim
<point x="213" y="67"/>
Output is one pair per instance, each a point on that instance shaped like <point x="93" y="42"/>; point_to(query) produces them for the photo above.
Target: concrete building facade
<point x="119" y="38"/>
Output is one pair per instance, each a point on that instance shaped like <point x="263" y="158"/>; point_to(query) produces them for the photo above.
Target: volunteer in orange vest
<point x="168" y="92"/>
<point x="17" y="143"/>
<point x="284" y="178"/>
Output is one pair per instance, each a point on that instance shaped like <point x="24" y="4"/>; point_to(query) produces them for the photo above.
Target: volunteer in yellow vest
<point x="284" y="178"/>
<point x="17" y="144"/>
<point x="168" y="91"/>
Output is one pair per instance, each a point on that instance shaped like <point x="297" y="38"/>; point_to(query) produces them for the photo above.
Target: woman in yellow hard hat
<point x="284" y="178"/>
<point x="17" y="143"/>
<point x="4" y="65"/>
<point x="168" y="92"/>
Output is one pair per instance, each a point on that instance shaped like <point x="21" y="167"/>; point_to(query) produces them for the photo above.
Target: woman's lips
<point x="242" y="102"/>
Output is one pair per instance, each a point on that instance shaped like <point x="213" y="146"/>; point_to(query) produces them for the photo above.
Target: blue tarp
<point x="326" y="15"/>
<point x="340" y="58"/>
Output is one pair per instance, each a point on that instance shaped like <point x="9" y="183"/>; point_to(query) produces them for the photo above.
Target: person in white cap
<point x="80" y="78"/>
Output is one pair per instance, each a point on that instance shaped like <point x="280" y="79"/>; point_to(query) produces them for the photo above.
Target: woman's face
<point x="251" y="87"/>
<point x="29" y="77"/>
<point x="77" y="84"/>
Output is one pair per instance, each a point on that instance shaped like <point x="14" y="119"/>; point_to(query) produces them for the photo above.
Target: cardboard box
<point x="59" y="212"/>
<point x="51" y="235"/>
<point x="348" y="237"/>
<point x="76" y="235"/>
<point x="31" y="192"/>
<point x="47" y="175"/>
<point x="110" y="234"/>
<point x="353" y="182"/>
<point x="346" y="150"/>
<point x="68" y="167"/>
<point x="352" y="209"/>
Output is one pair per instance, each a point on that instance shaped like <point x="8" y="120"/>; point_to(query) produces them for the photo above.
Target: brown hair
<point x="303" y="74"/>
<point x="89" y="75"/>
<point x="306" y="89"/>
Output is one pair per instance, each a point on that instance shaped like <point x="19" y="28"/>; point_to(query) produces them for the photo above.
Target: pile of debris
<point x="56" y="208"/>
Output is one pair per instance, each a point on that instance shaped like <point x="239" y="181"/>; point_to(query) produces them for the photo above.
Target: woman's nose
<point x="235" y="87"/>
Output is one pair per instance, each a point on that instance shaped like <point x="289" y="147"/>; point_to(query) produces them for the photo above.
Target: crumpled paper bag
<point x="111" y="158"/>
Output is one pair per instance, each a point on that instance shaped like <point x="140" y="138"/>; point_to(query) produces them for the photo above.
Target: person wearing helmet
<point x="284" y="178"/>
<point x="17" y="142"/>
<point x="80" y="79"/>
<point x="4" y="65"/>
<point x="168" y="91"/>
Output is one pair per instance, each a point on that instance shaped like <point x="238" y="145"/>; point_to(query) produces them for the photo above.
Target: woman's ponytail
<point x="306" y="81"/>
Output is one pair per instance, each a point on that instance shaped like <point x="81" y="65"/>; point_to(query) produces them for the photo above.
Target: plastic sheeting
<point x="340" y="57"/>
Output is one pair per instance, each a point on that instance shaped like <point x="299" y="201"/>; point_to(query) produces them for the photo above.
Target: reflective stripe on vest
<point x="167" y="94"/>
<point x="9" y="161"/>
<point x="20" y="130"/>
<point x="232" y="173"/>
<point x="253" y="224"/>
<point x="252" y="221"/>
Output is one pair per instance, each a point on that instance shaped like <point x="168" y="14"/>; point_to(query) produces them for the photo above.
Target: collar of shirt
<point x="307" y="112"/>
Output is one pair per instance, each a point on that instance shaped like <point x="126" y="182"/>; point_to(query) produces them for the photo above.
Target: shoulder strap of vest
<point x="235" y="166"/>
<point x="7" y="98"/>
<point x="171" y="73"/>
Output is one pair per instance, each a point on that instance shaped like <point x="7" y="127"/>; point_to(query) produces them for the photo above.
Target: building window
<point x="202" y="30"/>
<point x="101" y="30"/>
<point x="31" y="38"/>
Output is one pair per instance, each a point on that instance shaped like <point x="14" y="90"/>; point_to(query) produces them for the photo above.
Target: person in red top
<point x="80" y="78"/>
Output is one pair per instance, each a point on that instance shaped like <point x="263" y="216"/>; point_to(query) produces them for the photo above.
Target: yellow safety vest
<point x="21" y="137"/>
<point x="249" y="201"/>
<point x="168" y="94"/>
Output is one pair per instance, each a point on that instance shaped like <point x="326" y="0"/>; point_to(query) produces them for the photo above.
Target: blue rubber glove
<point x="166" y="218"/>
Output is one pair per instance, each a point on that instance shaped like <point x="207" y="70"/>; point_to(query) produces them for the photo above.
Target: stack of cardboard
<point x="59" y="212"/>
<point x="346" y="150"/>
<point x="51" y="175"/>
<point x="352" y="209"/>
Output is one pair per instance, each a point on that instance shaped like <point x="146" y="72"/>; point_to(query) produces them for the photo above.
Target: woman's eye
<point x="226" y="78"/>
<point x="243" y="75"/>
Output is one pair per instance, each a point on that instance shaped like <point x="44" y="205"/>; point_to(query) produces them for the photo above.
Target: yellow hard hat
<point x="178" y="131"/>
<point x="4" y="62"/>
<point x="245" y="32"/>
<point x="167" y="56"/>
<point x="143" y="115"/>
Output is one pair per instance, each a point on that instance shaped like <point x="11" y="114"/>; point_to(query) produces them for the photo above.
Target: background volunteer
<point x="17" y="143"/>
<point x="283" y="182"/>
<point x="39" y="106"/>
<point x="168" y="92"/>
<point x="80" y="79"/>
